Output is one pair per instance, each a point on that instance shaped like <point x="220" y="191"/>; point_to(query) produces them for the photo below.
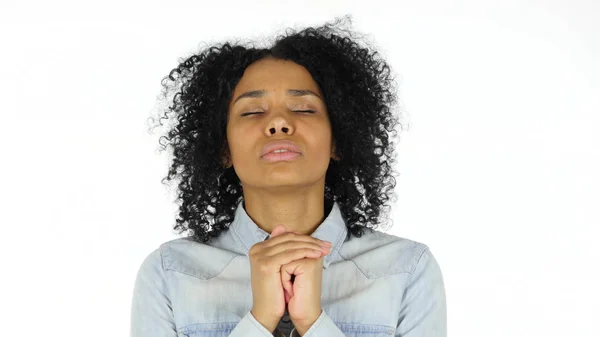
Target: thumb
<point x="278" y="230"/>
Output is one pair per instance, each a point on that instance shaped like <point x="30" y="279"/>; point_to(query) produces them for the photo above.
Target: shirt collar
<point x="332" y="229"/>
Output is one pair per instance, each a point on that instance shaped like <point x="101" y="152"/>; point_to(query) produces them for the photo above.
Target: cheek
<point x="242" y="146"/>
<point x="321" y="150"/>
<point x="323" y="137"/>
<point x="234" y="140"/>
<point x="239" y="150"/>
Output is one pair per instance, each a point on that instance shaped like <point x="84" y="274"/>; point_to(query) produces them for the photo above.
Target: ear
<point x="226" y="156"/>
<point x="334" y="155"/>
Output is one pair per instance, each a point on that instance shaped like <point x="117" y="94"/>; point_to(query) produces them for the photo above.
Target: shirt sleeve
<point x="151" y="313"/>
<point x="250" y="327"/>
<point x="323" y="326"/>
<point x="423" y="309"/>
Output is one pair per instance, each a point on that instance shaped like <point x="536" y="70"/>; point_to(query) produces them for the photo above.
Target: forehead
<point x="274" y="75"/>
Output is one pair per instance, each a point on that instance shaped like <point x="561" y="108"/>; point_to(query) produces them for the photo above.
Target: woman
<point x="279" y="151"/>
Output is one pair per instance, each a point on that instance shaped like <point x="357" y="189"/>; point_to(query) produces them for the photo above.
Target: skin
<point x="285" y="192"/>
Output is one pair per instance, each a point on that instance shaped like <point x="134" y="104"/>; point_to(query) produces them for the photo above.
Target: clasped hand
<point x="301" y="281"/>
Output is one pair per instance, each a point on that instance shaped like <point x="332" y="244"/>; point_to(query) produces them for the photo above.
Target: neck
<point x="298" y="211"/>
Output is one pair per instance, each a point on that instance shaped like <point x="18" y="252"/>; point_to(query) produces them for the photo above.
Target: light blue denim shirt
<point x="375" y="285"/>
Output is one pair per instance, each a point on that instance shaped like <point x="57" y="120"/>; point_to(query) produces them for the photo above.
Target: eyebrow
<point x="290" y="92"/>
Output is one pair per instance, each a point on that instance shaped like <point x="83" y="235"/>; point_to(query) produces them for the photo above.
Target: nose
<point x="279" y="124"/>
<point x="283" y="129"/>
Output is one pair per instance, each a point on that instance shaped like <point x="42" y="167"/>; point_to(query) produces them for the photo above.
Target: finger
<point x="287" y="272"/>
<point x="293" y="255"/>
<point x="278" y="230"/>
<point x="286" y="282"/>
<point x="289" y="236"/>
<point x="293" y="270"/>
<point x="294" y="245"/>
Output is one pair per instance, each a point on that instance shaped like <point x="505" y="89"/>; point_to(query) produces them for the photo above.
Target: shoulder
<point x="186" y="256"/>
<point x="378" y="254"/>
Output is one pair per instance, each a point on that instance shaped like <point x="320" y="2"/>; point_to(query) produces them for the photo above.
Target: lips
<point x="280" y="156"/>
<point x="280" y="145"/>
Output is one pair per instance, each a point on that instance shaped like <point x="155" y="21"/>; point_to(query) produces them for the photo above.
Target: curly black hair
<point x="360" y="97"/>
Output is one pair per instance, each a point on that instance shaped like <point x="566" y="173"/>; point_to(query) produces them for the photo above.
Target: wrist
<point x="268" y="323"/>
<point x="303" y="326"/>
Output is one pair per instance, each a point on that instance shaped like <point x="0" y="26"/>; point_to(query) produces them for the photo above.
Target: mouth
<point x="281" y="156"/>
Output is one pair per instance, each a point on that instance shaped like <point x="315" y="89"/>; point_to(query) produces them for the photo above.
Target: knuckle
<point x="264" y="267"/>
<point x="309" y="251"/>
<point x="252" y="250"/>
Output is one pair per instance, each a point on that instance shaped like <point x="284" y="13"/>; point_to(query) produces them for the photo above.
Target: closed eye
<point x="258" y="112"/>
<point x="249" y="113"/>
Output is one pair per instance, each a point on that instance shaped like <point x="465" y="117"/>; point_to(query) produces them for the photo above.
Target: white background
<point x="498" y="170"/>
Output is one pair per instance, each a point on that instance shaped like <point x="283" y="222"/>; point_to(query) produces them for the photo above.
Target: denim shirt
<point x="375" y="285"/>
